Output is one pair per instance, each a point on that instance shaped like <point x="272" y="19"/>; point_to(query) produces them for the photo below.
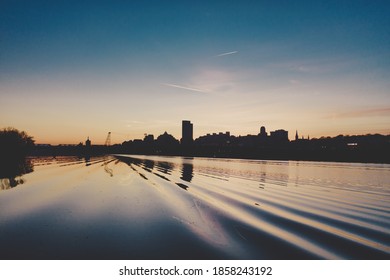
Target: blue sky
<point x="72" y="69"/>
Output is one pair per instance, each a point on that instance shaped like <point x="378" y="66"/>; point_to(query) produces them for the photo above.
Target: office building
<point x="187" y="137"/>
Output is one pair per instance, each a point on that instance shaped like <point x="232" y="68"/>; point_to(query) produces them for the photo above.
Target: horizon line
<point x="217" y="133"/>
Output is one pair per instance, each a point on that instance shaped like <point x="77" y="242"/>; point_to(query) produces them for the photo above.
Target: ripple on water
<point x="150" y="207"/>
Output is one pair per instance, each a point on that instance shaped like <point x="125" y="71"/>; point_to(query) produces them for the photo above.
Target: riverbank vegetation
<point x="15" y="145"/>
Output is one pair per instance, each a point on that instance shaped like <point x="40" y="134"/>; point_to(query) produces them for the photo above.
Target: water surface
<point x="145" y="207"/>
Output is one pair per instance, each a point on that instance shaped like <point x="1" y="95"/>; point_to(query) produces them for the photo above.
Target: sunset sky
<point x="73" y="69"/>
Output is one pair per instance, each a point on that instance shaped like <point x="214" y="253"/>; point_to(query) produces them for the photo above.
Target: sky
<point x="76" y="69"/>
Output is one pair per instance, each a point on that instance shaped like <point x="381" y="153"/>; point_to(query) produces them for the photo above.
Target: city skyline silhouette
<point x="71" y="70"/>
<point x="272" y="145"/>
<point x="194" y="132"/>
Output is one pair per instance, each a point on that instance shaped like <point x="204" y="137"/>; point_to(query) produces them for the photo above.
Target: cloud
<point x="227" y="53"/>
<point x="359" y="113"/>
<point x="214" y="80"/>
<point x="186" y="88"/>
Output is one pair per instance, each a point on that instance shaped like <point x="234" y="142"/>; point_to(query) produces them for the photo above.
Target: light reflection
<point x="218" y="202"/>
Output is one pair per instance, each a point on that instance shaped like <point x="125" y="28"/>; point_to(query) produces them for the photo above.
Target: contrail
<point x="183" y="87"/>
<point x="228" y="53"/>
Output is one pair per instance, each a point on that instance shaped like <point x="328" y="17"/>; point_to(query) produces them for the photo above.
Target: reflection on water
<point x="149" y="164"/>
<point x="87" y="161"/>
<point x="165" y="167"/>
<point x="11" y="172"/>
<point x="107" y="169"/>
<point x="146" y="207"/>
<point x="187" y="172"/>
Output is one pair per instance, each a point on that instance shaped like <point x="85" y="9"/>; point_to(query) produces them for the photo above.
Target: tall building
<point x="263" y="132"/>
<point x="88" y="142"/>
<point x="187" y="133"/>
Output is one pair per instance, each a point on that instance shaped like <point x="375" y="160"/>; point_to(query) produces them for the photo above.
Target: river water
<point x="151" y="207"/>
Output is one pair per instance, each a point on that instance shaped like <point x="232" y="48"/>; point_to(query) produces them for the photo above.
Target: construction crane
<point x="108" y="140"/>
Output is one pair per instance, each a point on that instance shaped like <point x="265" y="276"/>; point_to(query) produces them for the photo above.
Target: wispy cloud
<point x="186" y="88"/>
<point x="227" y="53"/>
<point x="214" y="80"/>
<point x="359" y="113"/>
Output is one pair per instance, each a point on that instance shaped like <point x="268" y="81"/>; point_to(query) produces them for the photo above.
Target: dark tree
<point x="14" y="147"/>
<point x="14" y="143"/>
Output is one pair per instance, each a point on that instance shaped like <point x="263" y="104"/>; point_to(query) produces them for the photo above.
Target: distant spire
<point x="296" y="135"/>
<point x="88" y="142"/>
